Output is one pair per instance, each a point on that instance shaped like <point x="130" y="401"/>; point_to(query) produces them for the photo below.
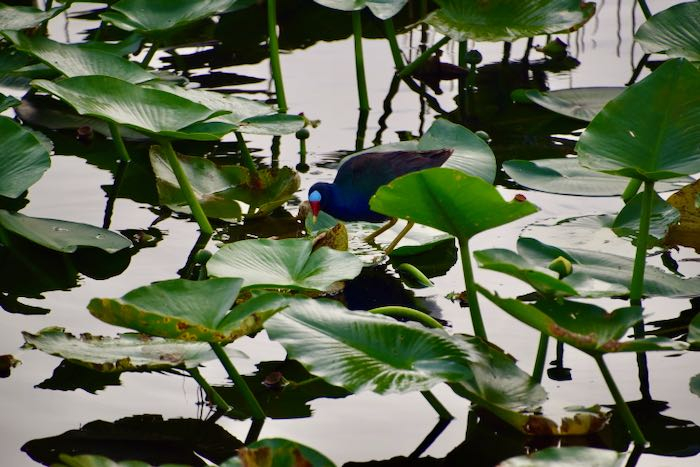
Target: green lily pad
<point x="567" y="177"/>
<point x="382" y="9"/>
<point x="188" y="310"/>
<point x="663" y="215"/>
<point x="128" y="352"/>
<point x="507" y="20"/>
<point x="276" y="124"/>
<point x="652" y="130"/>
<point x="673" y="31"/>
<point x="153" y="17"/>
<point x="580" y="103"/>
<point x="687" y="231"/>
<point x="15" y="18"/>
<point x="7" y="102"/>
<point x="583" y="325"/>
<point x="428" y="197"/>
<point x="150" y="111"/>
<point x="290" y="263"/>
<point x="278" y="452"/>
<point x="23" y="158"/>
<point x="60" y="235"/>
<point x="575" y="456"/>
<point x="77" y="60"/>
<point x="361" y="351"/>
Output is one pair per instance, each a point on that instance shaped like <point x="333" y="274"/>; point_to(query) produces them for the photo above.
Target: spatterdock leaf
<point x="687" y="231"/>
<point x="15" y="18"/>
<point x="434" y="197"/>
<point x="289" y="263"/>
<point x="579" y="103"/>
<point x="673" y="31"/>
<point x="188" y="310"/>
<point x="128" y="352"/>
<point x="60" y="235"/>
<point x="23" y="159"/>
<point x="652" y="130"/>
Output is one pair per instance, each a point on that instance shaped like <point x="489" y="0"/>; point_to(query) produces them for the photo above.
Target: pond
<point x="51" y="406"/>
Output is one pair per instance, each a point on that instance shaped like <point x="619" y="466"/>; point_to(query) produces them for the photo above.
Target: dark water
<point x="320" y="81"/>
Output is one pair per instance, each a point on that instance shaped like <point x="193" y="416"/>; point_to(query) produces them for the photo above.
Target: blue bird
<point x="359" y="178"/>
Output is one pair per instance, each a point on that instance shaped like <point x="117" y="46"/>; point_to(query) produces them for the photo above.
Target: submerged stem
<point x="119" y="142"/>
<point x="275" y="55"/>
<point x="622" y="407"/>
<point x="477" y="321"/>
<point x="214" y="396"/>
<point x="186" y="188"/>
<point x="359" y="60"/>
<point x="413" y="66"/>
<point x="408" y="313"/>
<point x="538" y="370"/>
<point x="239" y="382"/>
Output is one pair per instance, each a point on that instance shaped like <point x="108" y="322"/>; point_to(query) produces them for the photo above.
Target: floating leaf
<point x="15" y="18"/>
<point x="128" y="352"/>
<point x="428" y="197"/>
<point x="290" y="263"/>
<point x="60" y="235"/>
<point x="687" y="231"/>
<point x="278" y="452"/>
<point x="575" y="456"/>
<point x="673" y="31"/>
<point x="663" y="215"/>
<point x="23" y="159"/>
<point x="188" y="310"/>
<point x="78" y="60"/>
<point x="434" y="257"/>
<point x="382" y="9"/>
<point x="579" y="103"/>
<point x="652" y="130"/>
<point x="507" y="20"/>
<point x="147" y="110"/>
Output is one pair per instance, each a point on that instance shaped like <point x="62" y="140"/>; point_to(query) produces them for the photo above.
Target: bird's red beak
<point x="315" y="202"/>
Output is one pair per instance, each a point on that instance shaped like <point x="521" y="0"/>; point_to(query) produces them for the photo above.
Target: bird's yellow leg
<point x="381" y="230"/>
<point x="398" y="238"/>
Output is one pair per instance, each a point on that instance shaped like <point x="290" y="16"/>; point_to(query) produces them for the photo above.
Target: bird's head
<point x="319" y="196"/>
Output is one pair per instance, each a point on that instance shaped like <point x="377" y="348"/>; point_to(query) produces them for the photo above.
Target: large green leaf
<point x="507" y="20"/>
<point x="60" y="235"/>
<point x="448" y="200"/>
<point x="652" y="130"/>
<point x="663" y="215"/>
<point x="23" y="159"/>
<point x="15" y="18"/>
<point x="568" y="177"/>
<point x="128" y="352"/>
<point x="277" y="452"/>
<point x="77" y="60"/>
<point x="382" y="9"/>
<point x="471" y="154"/>
<point x="156" y="16"/>
<point x="290" y="263"/>
<point x="575" y="456"/>
<point x="362" y="351"/>
<point x="150" y="111"/>
<point x="583" y="325"/>
<point x="673" y="31"/>
<point x="579" y="103"/>
<point x="188" y="310"/>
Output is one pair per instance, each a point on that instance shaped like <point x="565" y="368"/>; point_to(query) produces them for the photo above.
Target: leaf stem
<point x="645" y="8"/>
<point x="538" y="370"/>
<point x="149" y="55"/>
<point x="239" y="382"/>
<point x="359" y="60"/>
<point x="214" y="396"/>
<point x="413" y="66"/>
<point x="622" y="407"/>
<point x="186" y="188"/>
<point x="119" y="142"/>
<point x="408" y="313"/>
<point x="442" y="412"/>
<point x="631" y="189"/>
<point x="275" y="55"/>
<point x="477" y="321"/>
<point x="393" y="44"/>
<point x="637" y="285"/>
<point x="245" y="152"/>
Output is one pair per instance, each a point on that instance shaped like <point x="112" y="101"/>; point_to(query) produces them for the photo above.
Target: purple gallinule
<point x="359" y="178"/>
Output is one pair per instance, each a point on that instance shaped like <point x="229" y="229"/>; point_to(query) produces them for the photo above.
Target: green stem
<point x="443" y="413"/>
<point x="631" y="189"/>
<point x="119" y="142"/>
<point x="413" y="66"/>
<point x="408" y="313"/>
<point x="275" y="55"/>
<point x="538" y="370"/>
<point x="186" y="188"/>
<point x="239" y="382"/>
<point x="477" y="321"/>
<point x="245" y="152"/>
<point x="622" y="407"/>
<point x="645" y="8"/>
<point x="638" y="69"/>
<point x="210" y="391"/>
<point x="149" y="55"/>
<point x="359" y="60"/>
<point x="393" y="44"/>
<point x="637" y="286"/>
